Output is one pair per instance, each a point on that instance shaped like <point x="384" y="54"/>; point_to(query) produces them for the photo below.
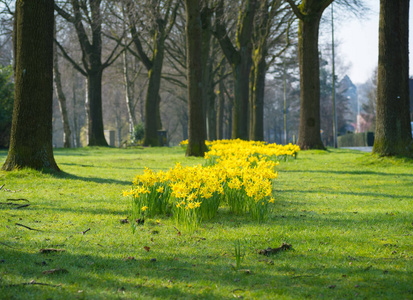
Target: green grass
<point x="347" y="214"/>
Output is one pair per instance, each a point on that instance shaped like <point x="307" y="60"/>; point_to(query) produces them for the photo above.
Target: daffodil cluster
<point x="237" y="173"/>
<point x="228" y="149"/>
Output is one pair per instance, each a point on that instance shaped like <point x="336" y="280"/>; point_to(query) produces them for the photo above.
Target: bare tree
<point x="239" y="57"/>
<point x="83" y="13"/>
<point x="161" y="26"/>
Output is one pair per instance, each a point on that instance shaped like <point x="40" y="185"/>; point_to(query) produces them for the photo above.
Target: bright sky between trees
<point x="358" y="39"/>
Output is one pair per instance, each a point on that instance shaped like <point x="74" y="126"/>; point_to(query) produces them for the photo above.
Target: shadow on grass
<point x="176" y="275"/>
<point x="349" y="172"/>
<point x="341" y="192"/>
<point x="64" y="175"/>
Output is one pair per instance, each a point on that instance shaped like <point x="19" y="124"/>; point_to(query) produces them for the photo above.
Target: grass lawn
<point x="348" y="216"/>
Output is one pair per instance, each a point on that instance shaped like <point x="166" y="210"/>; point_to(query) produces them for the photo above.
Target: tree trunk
<point x="128" y="94"/>
<point x="196" y="132"/>
<point x="212" y="116"/>
<point x="258" y="100"/>
<point x="93" y="103"/>
<point x="309" y="131"/>
<point x="152" y="101"/>
<point x="76" y="137"/>
<point x="393" y="132"/>
<point x="207" y="62"/>
<point x="31" y="133"/>
<point x="67" y="134"/>
<point x="240" y="60"/>
<point x="220" y="108"/>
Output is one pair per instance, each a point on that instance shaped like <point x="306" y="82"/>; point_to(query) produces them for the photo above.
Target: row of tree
<point x="248" y="35"/>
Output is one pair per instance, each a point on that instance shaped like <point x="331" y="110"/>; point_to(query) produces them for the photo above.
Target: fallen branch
<point x="10" y="191"/>
<point x="7" y="245"/>
<point x="270" y="250"/>
<point x="21" y="206"/>
<point x="27" y="227"/>
<point x="83" y="232"/>
<point x="18" y="199"/>
<point x="2" y="186"/>
<point x="8" y="203"/>
<point x="32" y="282"/>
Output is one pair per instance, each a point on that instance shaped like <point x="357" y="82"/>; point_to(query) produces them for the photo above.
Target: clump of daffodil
<point x="239" y="173"/>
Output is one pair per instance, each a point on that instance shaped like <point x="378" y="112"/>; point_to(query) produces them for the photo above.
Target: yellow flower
<point x="127" y="193"/>
<point x="271" y="200"/>
<point x="160" y="189"/>
<point x="144" y="208"/>
<point x="178" y="205"/>
<point x="197" y="204"/>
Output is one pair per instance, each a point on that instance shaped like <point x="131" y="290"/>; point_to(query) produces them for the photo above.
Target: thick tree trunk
<point x="309" y="131"/>
<point x="67" y="134"/>
<point x="152" y="101"/>
<point x="196" y="134"/>
<point x="240" y="117"/>
<point x="31" y="133"/>
<point x="93" y="103"/>
<point x="393" y="133"/>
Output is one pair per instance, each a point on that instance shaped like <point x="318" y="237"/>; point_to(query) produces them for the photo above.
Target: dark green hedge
<point x="363" y="139"/>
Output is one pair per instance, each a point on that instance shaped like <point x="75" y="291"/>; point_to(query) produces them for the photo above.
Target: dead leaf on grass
<point x="270" y="250"/>
<point x="51" y="250"/>
<point x="55" y="271"/>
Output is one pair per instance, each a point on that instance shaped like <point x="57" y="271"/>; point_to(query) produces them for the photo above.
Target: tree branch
<point x="65" y="55"/>
<point x="68" y="17"/>
<point x="296" y="10"/>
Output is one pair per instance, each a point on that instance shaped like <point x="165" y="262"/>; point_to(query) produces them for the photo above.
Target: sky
<point x="358" y="40"/>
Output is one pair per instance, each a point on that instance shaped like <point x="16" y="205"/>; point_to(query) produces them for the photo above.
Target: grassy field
<point x="348" y="216"/>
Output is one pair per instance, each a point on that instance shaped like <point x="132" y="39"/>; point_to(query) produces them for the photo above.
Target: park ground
<point x="347" y="214"/>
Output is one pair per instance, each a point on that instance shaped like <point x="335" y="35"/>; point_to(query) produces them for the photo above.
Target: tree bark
<point x="393" y="132"/>
<point x="31" y="133"/>
<point x="196" y="135"/>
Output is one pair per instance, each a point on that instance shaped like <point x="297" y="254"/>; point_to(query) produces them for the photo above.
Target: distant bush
<point x="138" y="133"/>
<point x="362" y="139"/>
<point x="6" y="104"/>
